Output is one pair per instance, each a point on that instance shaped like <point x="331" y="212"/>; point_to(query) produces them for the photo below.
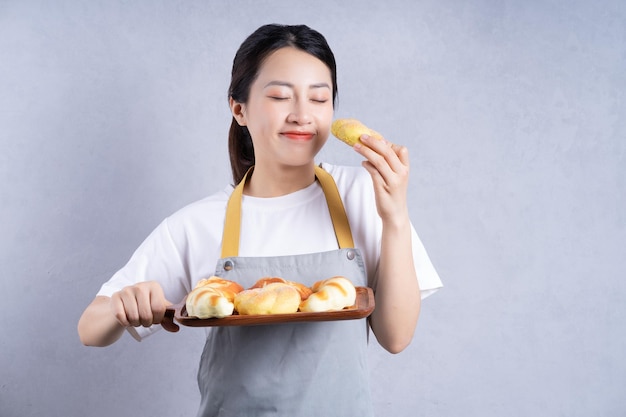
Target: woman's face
<point x="290" y="108"/>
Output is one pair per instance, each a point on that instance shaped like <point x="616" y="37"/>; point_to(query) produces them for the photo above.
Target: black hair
<point x="246" y="65"/>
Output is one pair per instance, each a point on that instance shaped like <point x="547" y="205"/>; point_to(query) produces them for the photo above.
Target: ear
<point x="237" y="109"/>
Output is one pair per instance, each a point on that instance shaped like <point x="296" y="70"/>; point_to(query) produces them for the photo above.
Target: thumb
<point x="168" y="319"/>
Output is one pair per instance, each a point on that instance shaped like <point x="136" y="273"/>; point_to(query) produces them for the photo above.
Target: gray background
<point x="113" y="114"/>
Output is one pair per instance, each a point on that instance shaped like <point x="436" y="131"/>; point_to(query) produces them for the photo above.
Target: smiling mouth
<point x="298" y="135"/>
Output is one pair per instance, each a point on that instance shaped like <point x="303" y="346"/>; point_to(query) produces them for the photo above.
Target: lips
<point x="296" y="135"/>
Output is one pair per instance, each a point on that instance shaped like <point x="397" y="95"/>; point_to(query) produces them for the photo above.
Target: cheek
<point x="271" y="113"/>
<point x="259" y="117"/>
<point x="325" y="119"/>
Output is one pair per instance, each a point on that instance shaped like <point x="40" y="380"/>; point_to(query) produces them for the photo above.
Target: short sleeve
<point x="427" y="276"/>
<point x="158" y="259"/>
<point x="356" y="188"/>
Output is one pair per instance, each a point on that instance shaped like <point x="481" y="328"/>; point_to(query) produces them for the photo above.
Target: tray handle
<point x="168" y="319"/>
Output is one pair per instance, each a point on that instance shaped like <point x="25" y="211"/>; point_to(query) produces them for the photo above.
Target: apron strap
<point x="232" y="223"/>
<point x="336" y="208"/>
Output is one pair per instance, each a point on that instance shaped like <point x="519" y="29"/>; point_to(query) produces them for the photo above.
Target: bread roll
<point x="212" y="297"/>
<point x="273" y="298"/>
<point x="331" y="294"/>
<point x="304" y="291"/>
<point x="349" y="131"/>
<point x="230" y="288"/>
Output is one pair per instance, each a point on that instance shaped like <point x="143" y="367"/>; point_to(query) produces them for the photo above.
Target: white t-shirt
<point x="185" y="247"/>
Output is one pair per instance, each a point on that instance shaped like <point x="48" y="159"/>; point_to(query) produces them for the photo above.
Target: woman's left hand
<point x="396" y="288"/>
<point x="388" y="164"/>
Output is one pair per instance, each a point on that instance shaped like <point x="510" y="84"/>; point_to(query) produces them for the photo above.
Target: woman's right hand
<point x="142" y="304"/>
<point x="104" y="320"/>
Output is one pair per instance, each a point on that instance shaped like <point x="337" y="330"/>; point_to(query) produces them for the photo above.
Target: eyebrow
<point x="286" y="84"/>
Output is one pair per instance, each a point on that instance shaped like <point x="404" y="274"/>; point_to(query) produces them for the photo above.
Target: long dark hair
<point x="246" y="65"/>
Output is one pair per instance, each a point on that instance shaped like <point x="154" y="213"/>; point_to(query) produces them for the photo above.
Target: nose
<point x="300" y="113"/>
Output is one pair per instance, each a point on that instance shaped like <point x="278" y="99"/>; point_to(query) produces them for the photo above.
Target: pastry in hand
<point x="349" y="131"/>
<point x="273" y="298"/>
<point x="212" y="297"/>
<point x="332" y="294"/>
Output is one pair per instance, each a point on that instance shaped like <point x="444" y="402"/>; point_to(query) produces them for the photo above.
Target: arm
<point x="103" y="322"/>
<point x="97" y="325"/>
<point x="397" y="290"/>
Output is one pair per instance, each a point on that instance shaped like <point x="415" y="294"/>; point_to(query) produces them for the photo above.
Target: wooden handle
<point x="168" y="319"/>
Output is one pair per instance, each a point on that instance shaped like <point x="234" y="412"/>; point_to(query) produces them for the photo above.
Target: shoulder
<point x="353" y="182"/>
<point x="347" y="177"/>
<point x="206" y="211"/>
<point x="213" y="202"/>
<point x="356" y="189"/>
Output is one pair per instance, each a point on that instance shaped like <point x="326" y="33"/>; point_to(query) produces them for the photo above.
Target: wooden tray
<point x="362" y="308"/>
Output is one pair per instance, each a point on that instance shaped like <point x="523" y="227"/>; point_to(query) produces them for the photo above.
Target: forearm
<point x="397" y="290"/>
<point x="98" y="326"/>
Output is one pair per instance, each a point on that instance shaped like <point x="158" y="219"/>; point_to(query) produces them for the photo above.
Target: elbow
<point x="87" y="336"/>
<point x="83" y="340"/>
<point x="89" y="341"/>
<point x="82" y="334"/>
<point x="396" y="342"/>
<point x="393" y="337"/>
<point x="96" y="327"/>
<point x="396" y="346"/>
<point x="86" y="342"/>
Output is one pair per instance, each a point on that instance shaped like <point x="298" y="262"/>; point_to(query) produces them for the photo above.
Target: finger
<point x="131" y="311"/>
<point x="380" y="145"/>
<point x="144" y="307"/>
<point x="400" y="165"/>
<point x="403" y="153"/>
<point x="376" y="177"/>
<point x="395" y="155"/>
<point x="117" y="308"/>
<point x="158" y="305"/>
<point x="395" y="167"/>
<point x="376" y="155"/>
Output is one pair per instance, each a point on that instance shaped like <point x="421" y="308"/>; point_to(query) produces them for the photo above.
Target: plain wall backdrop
<point x="113" y="114"/>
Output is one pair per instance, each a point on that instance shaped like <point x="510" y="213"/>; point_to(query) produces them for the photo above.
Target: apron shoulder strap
<point x="336" y="208"/>
<point x="232" y="222"/>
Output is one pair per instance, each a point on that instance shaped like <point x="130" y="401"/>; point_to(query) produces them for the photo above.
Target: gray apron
<point x="295" y="369"/>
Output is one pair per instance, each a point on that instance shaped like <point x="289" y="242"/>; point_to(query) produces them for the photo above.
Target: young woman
<point x="282" y="95"/>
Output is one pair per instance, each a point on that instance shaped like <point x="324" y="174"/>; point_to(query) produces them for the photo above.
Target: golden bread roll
<point x="304" y="291"/>
<point x="331" y="294"/>
<point x="230" y="288"/>
<point x="212" y="297"/>
<point x="349" y="131"/>
<point x="208" y="302"/>
<point x="273" y="298"/>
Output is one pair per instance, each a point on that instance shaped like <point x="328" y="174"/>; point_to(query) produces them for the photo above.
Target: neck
<point x="275" y="181"/>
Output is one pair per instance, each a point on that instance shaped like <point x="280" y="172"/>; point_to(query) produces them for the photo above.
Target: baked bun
<point x="273" y="298"/>
<point x="212" y="297"/>
<point x="304" y="291"/>
<point x="331" y="294"/>
<point x="229" y="287"/>
<point x="349" y="131"/>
